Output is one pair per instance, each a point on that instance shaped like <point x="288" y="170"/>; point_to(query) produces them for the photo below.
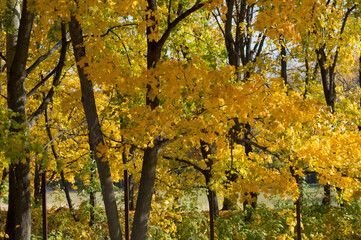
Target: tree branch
<point x="112" y="28"/>
<point x="196" y="167"/>
<point x="42" y="58"/>
<point x="56" y="81"/>
<point x="173" y="24"/>
<point x="57" y="136"/>
<point x="43" y="80"/>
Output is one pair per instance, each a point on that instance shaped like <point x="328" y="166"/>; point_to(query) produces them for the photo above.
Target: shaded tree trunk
<point x="131" y="192"/>
<point x="37" y="190"/>
<point x="145" y="193"/>
<point x="329" y="90"/>
<point x="19" y="173"/>
<point x="95" y="132"/>
<point x="92" y="197"/>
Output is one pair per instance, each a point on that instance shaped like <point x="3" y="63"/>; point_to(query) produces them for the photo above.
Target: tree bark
<point x="95" y="132"/>
<point x="145" y="193"/>
<point x="19" y="184"/>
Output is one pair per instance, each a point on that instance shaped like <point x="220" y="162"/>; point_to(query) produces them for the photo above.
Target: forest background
<point x="228" y="98"/>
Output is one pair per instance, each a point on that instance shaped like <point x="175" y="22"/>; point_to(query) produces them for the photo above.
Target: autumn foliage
<point x="229" y="99"/>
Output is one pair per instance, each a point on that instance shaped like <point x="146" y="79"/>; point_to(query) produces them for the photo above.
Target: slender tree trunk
<point x="37" y="186"/>
<point x="3" y="178"/>
<point x="210" y="196"/>
<point x="92" y="198"/>
<point x="67" y="195"/>
<point x="126" y="205"/>
<point x="62" y="177"/>
<point x="131" y="193"/>
<point x="95" y="132"/>
<point x="44" y="206"/>
<point x="329" y="90"/>
<point x="208" y="150"/>
<point x="283" y="60"/>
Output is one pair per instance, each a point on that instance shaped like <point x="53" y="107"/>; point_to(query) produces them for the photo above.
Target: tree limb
<point x="174" y="23"/>
<point x="43" y="80"/>
<point x="56" y="81"/>
<point x="189" y="163"/>
<point x="42" y="58"/>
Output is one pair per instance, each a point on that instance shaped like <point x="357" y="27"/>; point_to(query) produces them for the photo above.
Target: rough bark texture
<point x="19" y="184"/>
<point x="95" y="133"/>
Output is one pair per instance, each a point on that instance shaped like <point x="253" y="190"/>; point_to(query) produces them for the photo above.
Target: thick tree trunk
<point x="146" y="189"/>
<point x="95" y="132"/>
<point x="11" y="39"/>
<point x="19" y="214"/>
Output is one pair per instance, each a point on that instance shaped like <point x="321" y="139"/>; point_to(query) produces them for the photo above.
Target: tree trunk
<point x="283" y="61"/>
<point x="95" y="132"/>
<point x="44" y="206"/>
<point x="214" y="200"/>
<point x="62" y="177"/>
<point x="329" y="90"/>
<point x="67" y="195"/>
<point x="92" y="197"/>
<point x="19" y="185"/>
<point x="131" y="192"/>
<point x="37" y="186"/>
<point x="145" y="193"/>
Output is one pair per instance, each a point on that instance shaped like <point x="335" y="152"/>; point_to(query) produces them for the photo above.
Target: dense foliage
<point x="238" y="98"/>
